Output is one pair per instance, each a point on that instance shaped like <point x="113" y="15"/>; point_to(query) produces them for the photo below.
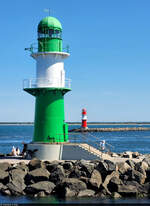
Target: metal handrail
<point x="34" y="48"/>
<point x="39" y="82"/>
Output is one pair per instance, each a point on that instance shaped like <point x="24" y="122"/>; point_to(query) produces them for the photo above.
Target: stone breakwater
<point x="110" y="129"/>
<point x="97" y="178"/>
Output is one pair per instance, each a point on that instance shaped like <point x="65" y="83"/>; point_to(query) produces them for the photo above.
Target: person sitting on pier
<point x="13" y="152"/>
<point x="17" y="151"/>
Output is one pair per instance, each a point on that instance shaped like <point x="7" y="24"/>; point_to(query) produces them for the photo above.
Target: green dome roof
<point x="49" y="22"/>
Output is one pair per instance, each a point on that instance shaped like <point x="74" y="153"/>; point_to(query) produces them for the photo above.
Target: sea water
<point x="15" y="135"/>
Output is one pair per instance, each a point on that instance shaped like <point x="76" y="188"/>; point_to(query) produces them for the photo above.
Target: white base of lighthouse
<point x="45" y="151"/>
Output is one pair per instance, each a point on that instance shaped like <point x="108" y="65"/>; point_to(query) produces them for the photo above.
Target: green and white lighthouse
<point x="49" y="88"/>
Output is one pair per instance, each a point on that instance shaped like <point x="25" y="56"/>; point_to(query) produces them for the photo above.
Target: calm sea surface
<point x="14" y="135"/>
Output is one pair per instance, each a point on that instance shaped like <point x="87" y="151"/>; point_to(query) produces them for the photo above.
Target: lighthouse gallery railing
<point x="38" y="82"/>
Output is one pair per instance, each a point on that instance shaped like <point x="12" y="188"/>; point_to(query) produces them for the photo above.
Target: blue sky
<point x="109" y="63"/>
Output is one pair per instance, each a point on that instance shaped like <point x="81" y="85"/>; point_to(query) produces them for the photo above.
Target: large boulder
<point x="147" y="160"/>
<point x="51" y="166"/>
<point x="67" y="165"/>
<point x="140" y="188"/>
<point x="96" y="179"/>
<point x="113" y="183"/>
<point x="16" y="183"/>
<point x="106" y="167"/>
<point x="107" y="180"/>
<point x="111" y="166"/>
<point x="123" y="167"/>
<point x="57" y="175"/>
<point x="76" y="172"/>
<point x="45" y="186"/>
<point x="4" y="166"/>
<point x="36" y="163"/>
<point x="16" y="187"/>
<point x="17" y="174"/>
<point x="127" y="190"/>
<point x="72" y="184"/>
<point x="134" y="175"/>
<point x="141" y="167"/>
<point x="36" y="175"/>
<point x="86" y="166"/>
<point x="131" y="163"/>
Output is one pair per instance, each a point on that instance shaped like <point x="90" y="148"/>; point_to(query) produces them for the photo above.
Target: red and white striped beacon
<point x="84" y="119"/>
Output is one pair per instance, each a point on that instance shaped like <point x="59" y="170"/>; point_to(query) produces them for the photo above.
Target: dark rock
<point x="72" y="184"/>
<point x="131" y="163"/>
<point x="113" y="184"/>
<point x="67" y="165"/>
<point x="137" y="176"/>
<point x="146" y="188"/>
<point x="141" y="167"/>
<point x="45" y="186"/>
<point x="135" y="154"/>
<point x="68" y="193"/>
<point x="17" y="184"/>
<point x="57" y="175"/>
<point x="4" y="166"/>
<point x="123" y="167"/>
<point x="135" y="184"/>
<point x="102" y="167"/>
<point x="107" y="180"/>
<point x="96" y="179"/>
<point x="6" y="192"/>
<point x="77" y="173"/>
<point x="3" y="188"/>
<point x="16" y="187"/>
<point x="36" y="163"/>
<point x="103" y="194"/>
<point x="87" y="167"/>
<point x="106" y="167"/>
<point x="127" y="190"/>
<point x="111" y="165"/>
<point x="51" y="167"/>
<point x="4" y="176"/>
<point x="16" y="174"/>
<point x="39" y="174"/>
<point x="86" y="193"/>
<point x="127" y="154"/>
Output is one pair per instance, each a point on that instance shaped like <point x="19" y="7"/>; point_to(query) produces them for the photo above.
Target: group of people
<point x="15" y="151"/>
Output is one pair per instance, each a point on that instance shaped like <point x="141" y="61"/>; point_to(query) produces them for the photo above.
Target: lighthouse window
<point x="51" y="31"/>
<point x="41" y="35"/>
<point x="50" y="34"/>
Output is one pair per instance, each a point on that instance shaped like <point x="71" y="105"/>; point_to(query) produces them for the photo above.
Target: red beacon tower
<point x="84" y="119"/>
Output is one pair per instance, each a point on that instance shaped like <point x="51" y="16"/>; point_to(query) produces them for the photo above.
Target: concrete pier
<point x="120" y="129"/>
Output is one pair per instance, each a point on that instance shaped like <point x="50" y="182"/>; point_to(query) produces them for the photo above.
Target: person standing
<point x="102" y="145"/>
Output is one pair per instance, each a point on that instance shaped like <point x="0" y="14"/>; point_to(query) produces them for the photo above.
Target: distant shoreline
<point x="79" y="123"/>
